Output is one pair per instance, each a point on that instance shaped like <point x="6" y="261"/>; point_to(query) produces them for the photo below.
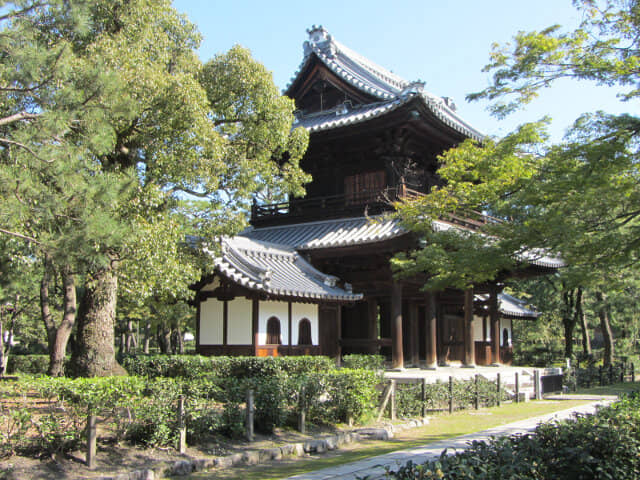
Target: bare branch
<point x="19" y="13"/>
<point x="17" y="117"/>
<point x="22" y="145"/>
<point x="19" y="235"/>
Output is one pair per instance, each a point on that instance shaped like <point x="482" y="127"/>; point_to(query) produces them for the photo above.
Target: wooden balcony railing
<point x="351" y="205"/>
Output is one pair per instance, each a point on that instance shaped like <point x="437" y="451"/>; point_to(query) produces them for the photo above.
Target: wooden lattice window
<point x="363" y="187"/>
<point x="304" y="332"/>
<point x="273" y="332"/>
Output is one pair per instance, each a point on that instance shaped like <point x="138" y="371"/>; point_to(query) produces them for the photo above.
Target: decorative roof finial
<point x="318" y="34"/>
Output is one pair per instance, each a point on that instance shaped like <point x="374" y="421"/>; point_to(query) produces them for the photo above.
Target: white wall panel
<point x="211" y="322"/>
<point x="239" y="321"/>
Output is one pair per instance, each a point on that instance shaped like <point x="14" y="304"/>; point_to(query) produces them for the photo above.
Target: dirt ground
<point x="113" y="458"/>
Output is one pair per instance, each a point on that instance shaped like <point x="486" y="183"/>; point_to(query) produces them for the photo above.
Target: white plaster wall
<point x="505" y="323"/>
<point x="273" y="309"/>
<point x="239" y="321"/>
<point x="211" y="311"/>
<point x="477" y="329"/>
<point x="300" y="311"/>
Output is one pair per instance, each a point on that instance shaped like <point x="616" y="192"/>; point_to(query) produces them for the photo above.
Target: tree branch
<point x="17" y="117"/>
<point x="23" y="146"/>
<point x="20" y="236"/>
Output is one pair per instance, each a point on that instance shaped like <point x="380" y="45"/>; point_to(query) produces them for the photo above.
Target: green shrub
<point x="350" y="395"/>
<point x="367" y="362"/>
<point x="409" y="396"/>
<point x="29" y="364"/>
<point x="600" y="446"/>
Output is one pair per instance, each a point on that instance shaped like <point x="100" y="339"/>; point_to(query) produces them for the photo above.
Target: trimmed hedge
<point x="367" y="362"/>
<point x="194" y="366"/>
<point x="600" y="446"/>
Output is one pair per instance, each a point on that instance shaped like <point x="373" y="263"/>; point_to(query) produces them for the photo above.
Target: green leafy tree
<point x="108" y="121"/>
<point x="578" y="198"/>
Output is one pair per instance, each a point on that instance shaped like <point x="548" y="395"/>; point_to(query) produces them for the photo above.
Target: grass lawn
<point x="441" y="427"/>
<point x="615" y="389"/>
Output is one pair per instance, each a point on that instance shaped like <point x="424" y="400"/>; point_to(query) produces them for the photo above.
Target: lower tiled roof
<point x="510" y="306"/>
<point x="277" y="270"/>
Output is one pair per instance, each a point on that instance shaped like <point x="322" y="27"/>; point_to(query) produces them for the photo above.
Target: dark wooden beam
<point x="431" y="332"/>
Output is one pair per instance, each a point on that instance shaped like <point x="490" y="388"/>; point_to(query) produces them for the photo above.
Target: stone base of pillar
<point x="400" y="369"/>
<point x="432" y="366"/>
<point x="468" y="366"/>
<point x="494" y="365"/>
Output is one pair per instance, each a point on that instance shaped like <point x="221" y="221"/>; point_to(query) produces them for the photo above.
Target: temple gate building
<point x="313" y="275"/>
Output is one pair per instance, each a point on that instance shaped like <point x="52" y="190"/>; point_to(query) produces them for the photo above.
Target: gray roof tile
<point x="277" y="270"/>
<point x="374" y="80"/>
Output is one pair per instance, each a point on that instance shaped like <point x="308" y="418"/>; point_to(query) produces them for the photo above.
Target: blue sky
<point x="444" y="43"/>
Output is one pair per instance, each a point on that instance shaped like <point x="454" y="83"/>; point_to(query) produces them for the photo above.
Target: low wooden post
<point x="517" y="388"/>
<point x="537" y="387"/>
<point x="91" y="441"/>
<point x="450" y="394"/>
<point x="182" y="428"/>
<point x="477" y="392"/>
<point x="424" y="397"/>
<point x="249" y="413"/>
<point x="498" y="390"/>
<point x="393" y="400"/>
<point x="633" y="372"/>
<point x="302" y="416"/>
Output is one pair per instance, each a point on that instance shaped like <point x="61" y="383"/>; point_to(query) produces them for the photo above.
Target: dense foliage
<point x="600" y="446"/>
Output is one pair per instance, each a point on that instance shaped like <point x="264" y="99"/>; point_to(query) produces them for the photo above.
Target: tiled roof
<point x="347" y="232"/>
<point x="510" y="306"/>
<point x="329" y="233"/>
<point x="374" y="80"/>
<point x="277" y="270"/>
<point x="341" y="116"/>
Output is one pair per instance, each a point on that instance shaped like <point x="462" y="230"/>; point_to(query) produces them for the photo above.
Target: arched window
<point x="273" y="331"/>
<point x="304" y="332"/>
<point x="505" y="338"/>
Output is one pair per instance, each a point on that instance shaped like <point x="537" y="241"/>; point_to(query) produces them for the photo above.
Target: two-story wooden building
<point x="313" y="275"/>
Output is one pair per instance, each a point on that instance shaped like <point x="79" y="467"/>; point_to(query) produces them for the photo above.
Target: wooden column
<point x="494" y="318"/>
<point x="431" y="347"/>
<point x="415" y="334"/>
<point x="254" y="324"/>
<point x="372" y="313"/>
<point x="397" y="354"/>
<point x="469" y="344"/>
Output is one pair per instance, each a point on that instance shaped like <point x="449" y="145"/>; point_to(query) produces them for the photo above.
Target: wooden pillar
<point x="469" y="344"/>
<point x="397" y="354"/>
<point x="254" y="324"/>
<point x="431" y="347"/>
<point x="372" y="313"/>
<point x="494" y="318"/>
<point x="415" y="334"/>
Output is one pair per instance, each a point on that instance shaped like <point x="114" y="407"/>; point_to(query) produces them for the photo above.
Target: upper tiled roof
<point x="329" y="233"/>
<point x="277" y="270"/>
<point x="374" y="80"/>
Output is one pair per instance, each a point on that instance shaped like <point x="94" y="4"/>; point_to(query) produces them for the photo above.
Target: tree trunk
<point x="131" y="340"/>
<point x="568" y="322"/>
<point x="605" y="325"/>
<point x="582" y="318"/>
<point x="58" y="349"/>
<point x="95" y="352"/>
<point x="147" y="336"/>
<point x="57" y="335"/>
